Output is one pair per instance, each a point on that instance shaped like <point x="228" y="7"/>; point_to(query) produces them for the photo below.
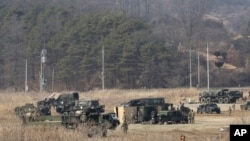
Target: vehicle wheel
<point x="208" y="100"/>
<point x="203" y="100"/>
<point x="226" y="100"/>
<point x="221" y="100"/>
<point x="71" y="113"/>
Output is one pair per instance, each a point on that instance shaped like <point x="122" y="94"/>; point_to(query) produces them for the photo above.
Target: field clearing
<point x="206" y="127"/>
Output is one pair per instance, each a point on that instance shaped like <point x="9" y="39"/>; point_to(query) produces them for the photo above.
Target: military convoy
<point x="220" y="96"/>
<point x="72" y="112"/>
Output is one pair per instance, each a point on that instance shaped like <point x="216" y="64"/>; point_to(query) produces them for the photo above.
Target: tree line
<point x="137" y="45"/>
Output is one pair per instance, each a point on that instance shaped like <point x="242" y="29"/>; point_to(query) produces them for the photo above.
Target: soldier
<point x="153" y="117"/>
<point x="132" y="117"/>
<point x="229" y="111"/>
<point x="125" y="124"/>
<point x="233" y="106"/>
<point x="192" y="116"/>
<point x="139" y="116"/>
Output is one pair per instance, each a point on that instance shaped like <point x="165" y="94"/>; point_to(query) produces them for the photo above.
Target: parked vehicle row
<point x="73" y="113"/>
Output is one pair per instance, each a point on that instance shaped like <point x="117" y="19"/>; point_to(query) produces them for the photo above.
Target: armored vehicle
<point x="171" y="117"/>
<point x="245" y="106"/>
<point x="220" y="96"/>
<point x="208" y="108"/>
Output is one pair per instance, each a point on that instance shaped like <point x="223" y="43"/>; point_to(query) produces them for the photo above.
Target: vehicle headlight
<point x="62" y="102"/>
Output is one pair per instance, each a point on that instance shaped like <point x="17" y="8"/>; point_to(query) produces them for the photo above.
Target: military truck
<point x="245" y="106"/>
<point x="171" y="117"/>
<point x="82" y="112"/>
<point x="89" y="114"/>
<point x="220" y="96"/>
<point x="79" y="113"/>
<point x="142" y="110"/>
<point x="208" y="108"/>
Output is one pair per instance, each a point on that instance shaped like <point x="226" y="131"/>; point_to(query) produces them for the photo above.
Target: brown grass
<point x="11" y="128"/>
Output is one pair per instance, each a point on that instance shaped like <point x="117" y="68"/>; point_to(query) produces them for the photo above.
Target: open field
<point x="206" y="127"/>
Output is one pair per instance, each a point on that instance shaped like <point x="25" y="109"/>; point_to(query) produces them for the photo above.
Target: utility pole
<point x="53" y="75"/>
<point x="26" y="78"/>
<point x="207" y="70"/>
<point x="43" y="81"/>
<point x="190" y="67"/>
<point x="102" y="77"/>
<point x="198" y="54"/>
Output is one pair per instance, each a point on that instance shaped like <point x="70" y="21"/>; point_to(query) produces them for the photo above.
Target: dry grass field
<point x="206" y="127"/>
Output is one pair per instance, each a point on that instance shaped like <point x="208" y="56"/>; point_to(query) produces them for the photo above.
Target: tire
<point x="203" y="100"/>
<point x="208" y="100"/>
<point x="226" y="100"/>
<point x="71" y="113"/>
<point x="221" y="100"/>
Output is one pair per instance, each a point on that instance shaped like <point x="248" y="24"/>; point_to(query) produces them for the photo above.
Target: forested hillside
<point x="138" y="43"/>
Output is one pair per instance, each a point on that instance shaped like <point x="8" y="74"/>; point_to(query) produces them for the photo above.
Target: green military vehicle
<point x="208" y="108"/>
<point x="143" y="110"/>
<point x="87" y="114"/>
<point x="90" y="115"/>
<point x="220" y="96"/>
<point x="171" y="117"/>
<point x="245" y="106"/>
<point x="95" y="123"/>
<point x="42" y="111"/>
<point x="26" y="111"/>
